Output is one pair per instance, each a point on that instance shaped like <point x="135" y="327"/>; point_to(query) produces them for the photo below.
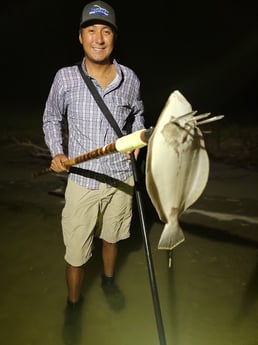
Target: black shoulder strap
<point x="100" y="101"/>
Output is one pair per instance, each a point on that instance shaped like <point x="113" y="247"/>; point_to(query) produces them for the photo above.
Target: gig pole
<point x="152" y="278"/>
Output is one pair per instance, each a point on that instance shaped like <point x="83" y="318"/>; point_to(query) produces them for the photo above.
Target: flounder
<point x="177" y="165"/>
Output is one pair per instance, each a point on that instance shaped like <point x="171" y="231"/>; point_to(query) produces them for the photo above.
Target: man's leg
<point x="74" y="280"/>
<point x="113" y="294"/>
<point x="109" y="255"/>
<point x="72" y="327"/>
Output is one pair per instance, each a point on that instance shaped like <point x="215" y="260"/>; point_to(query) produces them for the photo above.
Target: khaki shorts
<point x="105" y="213"/>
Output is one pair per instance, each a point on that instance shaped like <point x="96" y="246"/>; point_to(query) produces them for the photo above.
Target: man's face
<point x="98" y="42"/>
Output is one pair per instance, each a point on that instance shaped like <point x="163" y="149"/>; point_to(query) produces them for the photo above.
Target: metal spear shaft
<point x="153" y="285"/>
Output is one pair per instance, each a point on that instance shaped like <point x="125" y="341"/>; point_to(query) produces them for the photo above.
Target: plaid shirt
<point x="88" y="128"/>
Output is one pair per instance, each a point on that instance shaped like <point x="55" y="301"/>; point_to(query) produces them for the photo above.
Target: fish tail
<point x="172" y="235"/>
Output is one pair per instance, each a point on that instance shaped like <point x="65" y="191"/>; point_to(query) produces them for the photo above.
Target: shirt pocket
<point x="120" y="109"/>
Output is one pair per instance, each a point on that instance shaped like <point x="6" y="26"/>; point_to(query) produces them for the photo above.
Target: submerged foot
<point x="72" y="322"/>
<point x="113" y="294"/>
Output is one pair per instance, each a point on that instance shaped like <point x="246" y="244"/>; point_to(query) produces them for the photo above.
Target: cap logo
<point x="100" y="11"/>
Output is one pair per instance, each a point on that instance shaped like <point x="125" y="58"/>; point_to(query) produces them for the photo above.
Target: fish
<point x="177" y="165"/>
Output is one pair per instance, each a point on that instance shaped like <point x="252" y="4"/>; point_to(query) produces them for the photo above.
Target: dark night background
<point x="206" y="50"/>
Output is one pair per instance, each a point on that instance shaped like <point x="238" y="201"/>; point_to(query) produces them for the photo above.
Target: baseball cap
<point x="98" y="11"/>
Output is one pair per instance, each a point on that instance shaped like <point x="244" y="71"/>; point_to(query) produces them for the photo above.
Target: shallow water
<point x="208" y="297"/>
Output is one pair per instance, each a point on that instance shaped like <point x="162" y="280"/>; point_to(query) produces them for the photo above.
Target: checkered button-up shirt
<point x="88" y="128"/>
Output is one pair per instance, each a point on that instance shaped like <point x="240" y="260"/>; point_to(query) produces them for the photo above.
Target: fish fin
<point x="172" y="235"/>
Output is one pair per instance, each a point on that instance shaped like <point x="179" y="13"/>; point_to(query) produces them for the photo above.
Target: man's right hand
<point x="57" y="163"/>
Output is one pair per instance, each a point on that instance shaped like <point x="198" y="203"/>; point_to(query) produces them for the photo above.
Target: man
<point x="98" y="197"/>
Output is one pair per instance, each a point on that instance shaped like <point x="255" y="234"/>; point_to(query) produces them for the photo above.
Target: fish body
<point x="177" y="166"/>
